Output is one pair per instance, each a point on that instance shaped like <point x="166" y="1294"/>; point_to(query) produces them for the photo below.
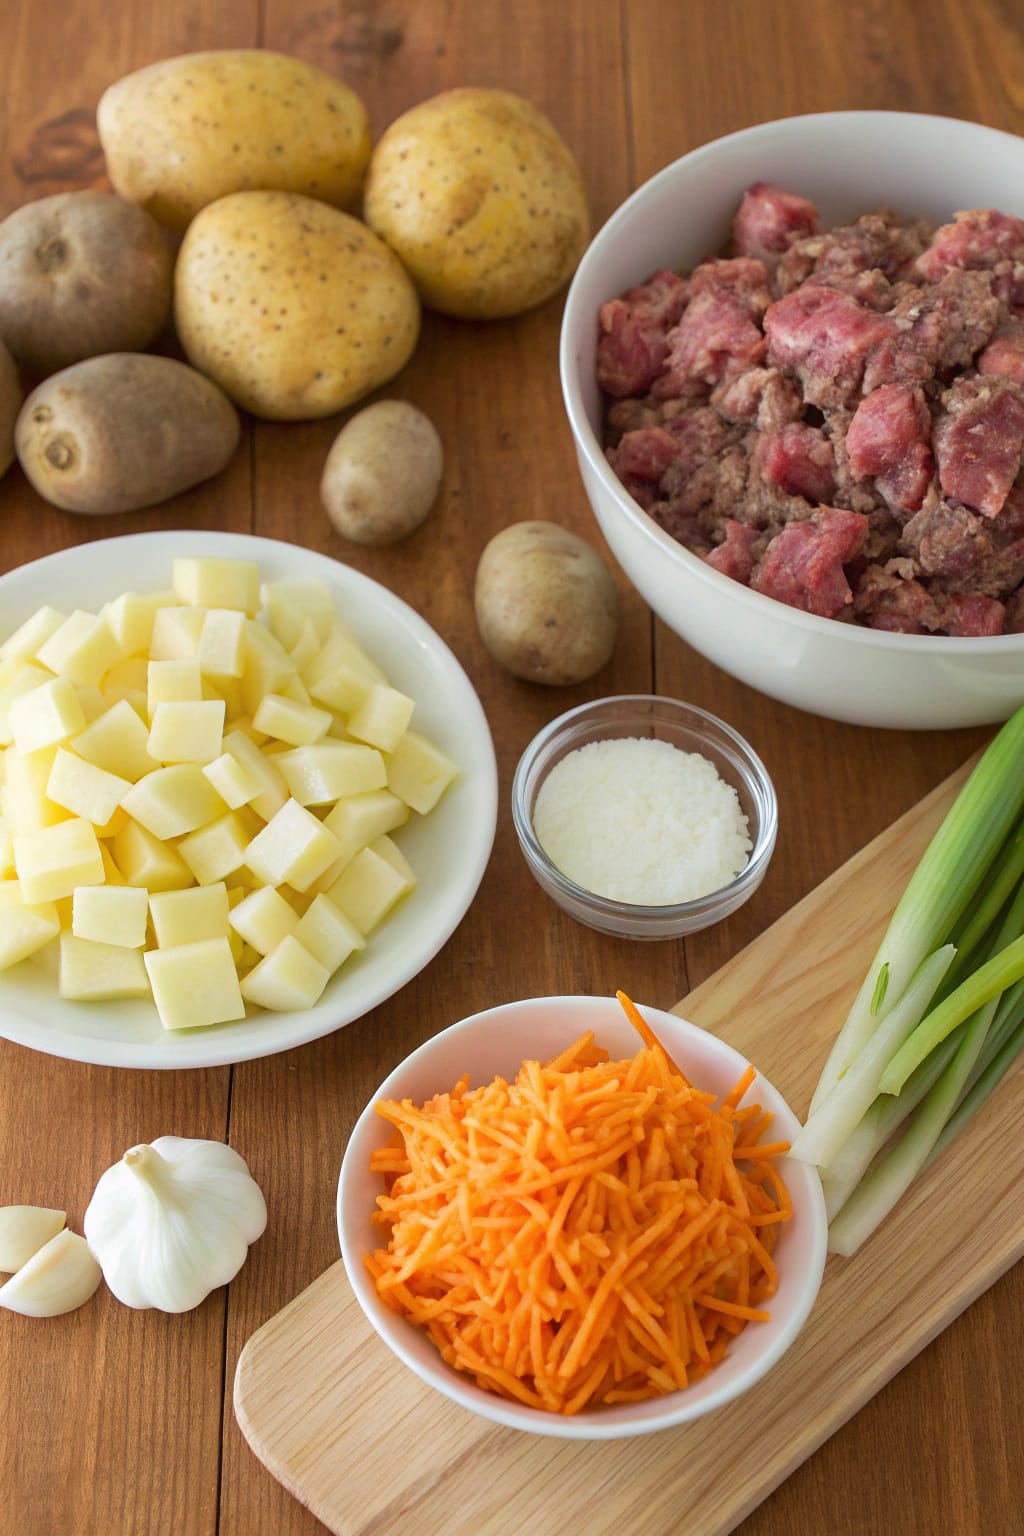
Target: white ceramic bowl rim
<point x="990" y="141"/>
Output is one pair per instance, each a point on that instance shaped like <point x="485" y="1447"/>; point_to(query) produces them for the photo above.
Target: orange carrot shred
<point x="592" y="1232"/>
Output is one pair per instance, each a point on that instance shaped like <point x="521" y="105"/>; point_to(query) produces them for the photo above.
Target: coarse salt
<point x="640" y="821"/>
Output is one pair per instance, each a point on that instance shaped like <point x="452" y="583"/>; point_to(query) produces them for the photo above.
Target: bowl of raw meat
<point x="793" y="364"/>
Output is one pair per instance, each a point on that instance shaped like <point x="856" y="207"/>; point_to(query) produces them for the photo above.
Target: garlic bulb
<point x="23" y="1231"/>
<point x="172" y="1221"/>
<point x="59" y="1277"/>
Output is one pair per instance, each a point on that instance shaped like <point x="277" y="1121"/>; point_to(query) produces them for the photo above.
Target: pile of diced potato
<point x="198" y="791"/>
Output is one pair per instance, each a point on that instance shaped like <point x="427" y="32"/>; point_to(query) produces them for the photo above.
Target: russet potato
<point x="179" y="134"/>
<point x="296" y="309"/>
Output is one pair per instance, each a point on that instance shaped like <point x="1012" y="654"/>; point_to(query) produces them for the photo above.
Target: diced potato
<point x="382" y="718"/>
<point x="195" y="984"/>
<point x="176" y="634"/>
<point x="185" y="917"/>
<point x="290" y="605"/>
<point x="28" y="637"/>
<point x="234" y="782"/>
<point x="111" y="874"/>
<point x="51" y="862"/>
<point x="287" y="979"/>
<point x="342" y="674"/>
<point x="212" y="582"/>
<point x="110" y="914"/>
<point x="146" y="860"/>
<point x="230" y="690"/>
<point x="328" y="934"/>
<point x="306" y="647"/>
<point x="18" y="677"/>
<point x="126" y="679"/>
<point x="328" y="770"/>
<point x="293" y="848"/>
<point x="222" y="643"/>
<point x="81" y="649"/>
<point x="92" y="971"/>
<point x="367" y="889"/>
<point x="419" y="772"/>
<point x="83" y="789"/>
<point x="290" y="720"/>
<point x="386" y="849"/>
<point x="173" y="682"/>
<point x="172" y="801"/>
<point x="296" y="690"/>
<point x="187" y="733"/>
<point x="49" y="714"/>
<point x="130" y="617"/>
<point x="356" y="821"/>
<point x="117" y="741"/>
<point x="26" y="805"/>
<point x="273" y="792"/>
<point x="25" y="927"/>
<point x="263" y="918"/>
<point x="267" y="666"/>
<point x="216" y="850"/>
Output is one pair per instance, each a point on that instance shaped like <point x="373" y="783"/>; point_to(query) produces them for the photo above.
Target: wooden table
<point x="119" y="1423"/>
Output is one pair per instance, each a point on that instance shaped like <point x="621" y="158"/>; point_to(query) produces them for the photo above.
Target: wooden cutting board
<point x="356" y="1437"/>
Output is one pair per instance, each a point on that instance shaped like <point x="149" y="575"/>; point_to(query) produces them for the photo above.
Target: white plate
<point x="448" y="849"/>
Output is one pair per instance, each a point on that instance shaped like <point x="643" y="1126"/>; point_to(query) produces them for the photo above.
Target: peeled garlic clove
<point x="57" y="1279"/>
<point x="23" y="1231"/>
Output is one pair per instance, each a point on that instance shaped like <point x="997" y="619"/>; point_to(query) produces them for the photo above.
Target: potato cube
<point x="126" y="679"/>
<point x="356" y="821"/>
<point x="130" y="618"/>
<point x="234" y="782"/>
<point x="81" y="649"/>
<point x="117" y="741"/>
<point x="195" y="984"/>
<point x="395" y="857"/>
<point x="25" y="927"/>
<point x="18" y="677"/>
<point x="287" y="979"/>
<point x="342" y="674"/>
<point x="47" y="715"/>
<point x="306" y="647"/>
<point x="52" y="861"/>
<point x="83" y="789"/>
<point x="185" y="917"/>
<point x="110" y="914"/>
<point x="327" y="771"/>
<point x="172" y="682"/>
<point x="382" y="717"/>
<point x="368" y="887"/>
<point x="263" y="918"/>
<point x="28" y="637"/>
<point x="211" y="582"/>
<point x="25" y="802"/>
<point x="222" y="643"/>
<point x="267" y="667"/>
<point x="419" y="772"/>
<point x="290" y="720"/>
<point x="187" y="733"/>
<point x="172" y="801"/>
<point x="217" y="849"/>
<point x="290" y="605"/>
<point x="273" y="791"/>
<point x="328" y="934"/>
<point x="293" y="848"/>
<point x="175" y="635"/>
<point x="91" y="971"/>
<point x="146" y="860"/>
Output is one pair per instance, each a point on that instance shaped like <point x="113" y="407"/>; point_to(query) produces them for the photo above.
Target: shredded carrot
<point x="595" y="1231"/>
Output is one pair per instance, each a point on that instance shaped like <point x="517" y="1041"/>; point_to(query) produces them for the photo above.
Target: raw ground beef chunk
<point x="835" y="418"/>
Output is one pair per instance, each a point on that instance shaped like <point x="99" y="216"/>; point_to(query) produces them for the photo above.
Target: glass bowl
<point x="691" y="730"/>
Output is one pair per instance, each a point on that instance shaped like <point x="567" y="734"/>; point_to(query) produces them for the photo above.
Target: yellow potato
<point x="481" y="199"/>
<point x="294" y="308"/>
<point x="182" y="133"/>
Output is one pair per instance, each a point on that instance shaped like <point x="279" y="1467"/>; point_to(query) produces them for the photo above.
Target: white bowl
<point x="848" y="163"/>
<point x="449" y="849"/>
<point x="496" y="1041"/>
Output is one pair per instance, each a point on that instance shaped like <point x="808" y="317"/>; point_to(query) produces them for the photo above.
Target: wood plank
<point x="314" y="1384"/>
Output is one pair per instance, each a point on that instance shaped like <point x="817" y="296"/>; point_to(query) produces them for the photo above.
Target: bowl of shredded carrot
<point x="579" y="1218"/>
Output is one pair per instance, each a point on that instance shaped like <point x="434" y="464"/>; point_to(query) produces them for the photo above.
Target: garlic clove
<point x="58" y="1278"/>
<point x="23" y="1231"/>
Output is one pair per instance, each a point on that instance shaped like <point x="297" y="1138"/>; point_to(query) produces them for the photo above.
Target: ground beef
<point x="835" y="418"/>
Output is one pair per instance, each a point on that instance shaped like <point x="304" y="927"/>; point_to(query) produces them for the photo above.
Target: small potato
<point x="546" y="607"/>
<point x="125" y="431"/>
<point x="383" y="473"/>
<point x="81" y="273"/>
<point x="297" y="310"/>
<point x="10" y="405"/>
<point x="186" y="131"/>
<point x="482" y="200"/>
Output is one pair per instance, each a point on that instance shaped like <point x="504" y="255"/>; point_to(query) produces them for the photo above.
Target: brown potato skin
<point x="10" y="405"/>
<point x="81" y="274"/>
<point x="383" y="472"/>
<point x="124" y="431"/>
<point x="546" y="606"/>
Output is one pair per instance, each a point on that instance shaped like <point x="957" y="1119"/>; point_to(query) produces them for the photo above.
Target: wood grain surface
<point x="120" y="1423"/>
